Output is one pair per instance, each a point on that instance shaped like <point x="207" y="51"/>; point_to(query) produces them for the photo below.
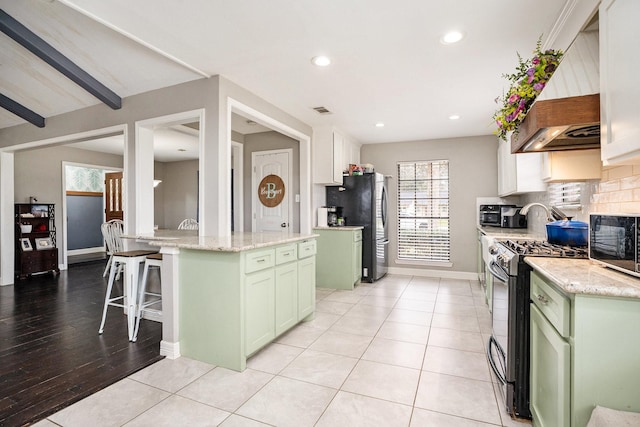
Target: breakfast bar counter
<point x="224" y="298"/>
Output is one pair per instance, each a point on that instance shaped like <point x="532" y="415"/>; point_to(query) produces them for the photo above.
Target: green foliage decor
<point x="527" y="82"/>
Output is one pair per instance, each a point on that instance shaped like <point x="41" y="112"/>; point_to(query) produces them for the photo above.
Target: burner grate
<point x="544" y="248"/>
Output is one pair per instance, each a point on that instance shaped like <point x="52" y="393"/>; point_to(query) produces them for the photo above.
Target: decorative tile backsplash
<point x="617" y="192"/>
<point x="84" y="179"/>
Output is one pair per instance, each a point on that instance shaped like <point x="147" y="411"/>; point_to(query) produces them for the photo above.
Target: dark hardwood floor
<point x="50" y="352"/>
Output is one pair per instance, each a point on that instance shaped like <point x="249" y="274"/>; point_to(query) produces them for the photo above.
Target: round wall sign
<point x="271" y="191"/>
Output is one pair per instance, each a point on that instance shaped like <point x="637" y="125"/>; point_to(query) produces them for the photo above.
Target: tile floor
<point x="404" y="351"/>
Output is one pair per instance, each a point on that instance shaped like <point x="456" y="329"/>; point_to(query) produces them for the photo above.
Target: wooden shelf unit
<point x="41" y="217"/>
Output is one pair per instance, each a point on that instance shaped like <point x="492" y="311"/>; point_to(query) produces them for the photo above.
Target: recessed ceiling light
<point x="451" y="37"/>
<point x="379" y="125"/>
<point x="321" y="61"/>
<point x="454" y="117"/>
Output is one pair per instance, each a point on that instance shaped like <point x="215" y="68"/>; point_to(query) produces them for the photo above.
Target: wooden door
<point x="113" y="196"/>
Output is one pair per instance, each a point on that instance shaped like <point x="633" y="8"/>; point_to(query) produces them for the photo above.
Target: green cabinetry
<point x="584" y="352"/>
<point x="339" y="258"/>
<point x="231" y="304"/>
<point x="260" y="310"/>
<point x="306" y="279"/>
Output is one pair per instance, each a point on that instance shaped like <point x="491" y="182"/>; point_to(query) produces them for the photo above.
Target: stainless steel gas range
<point x="508" y="347"/>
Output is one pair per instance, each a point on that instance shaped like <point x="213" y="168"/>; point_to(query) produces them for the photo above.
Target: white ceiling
<point x="387" y="62"/>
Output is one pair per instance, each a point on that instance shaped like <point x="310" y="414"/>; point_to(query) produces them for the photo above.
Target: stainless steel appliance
<point x="510" y="217"/>
<point x="508" y="347"/>
<point x="364" y="202"/>
<point x="614" y="240"/>
<point x="491" y="215"/>
<point x="334" y="213"/>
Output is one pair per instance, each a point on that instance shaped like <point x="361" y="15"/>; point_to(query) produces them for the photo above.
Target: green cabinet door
<point x="306" y="287"/>
<point x="286" y="296"/>
<point x="550" y="373"/>
<point x="357" y="261"/>
<point x="259" y="310"/>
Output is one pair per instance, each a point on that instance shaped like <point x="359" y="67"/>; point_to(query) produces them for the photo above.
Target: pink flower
<point x="535" y="61"/>
<point x="513" y="98"/>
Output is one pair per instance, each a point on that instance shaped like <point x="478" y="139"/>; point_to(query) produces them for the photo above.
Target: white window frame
<point x="405" y="215"/>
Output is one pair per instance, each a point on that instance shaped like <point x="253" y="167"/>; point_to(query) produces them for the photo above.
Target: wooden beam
<point x="57" y="60"/>
<point x="21" y="111"/>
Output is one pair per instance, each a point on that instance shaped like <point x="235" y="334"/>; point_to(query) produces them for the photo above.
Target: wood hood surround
<point x="558" y="115"/>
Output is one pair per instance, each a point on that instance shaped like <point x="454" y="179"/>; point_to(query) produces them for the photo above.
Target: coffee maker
<point x="334" y="216"/>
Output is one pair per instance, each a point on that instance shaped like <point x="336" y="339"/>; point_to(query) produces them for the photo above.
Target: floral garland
<point x="527" y="82"/>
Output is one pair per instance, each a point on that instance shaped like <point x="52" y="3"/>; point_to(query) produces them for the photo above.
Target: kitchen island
<point x="585" y="340"/>
<point x="224" y="298"/>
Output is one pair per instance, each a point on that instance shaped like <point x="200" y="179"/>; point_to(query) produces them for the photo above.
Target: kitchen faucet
<point x="528" y="206"/>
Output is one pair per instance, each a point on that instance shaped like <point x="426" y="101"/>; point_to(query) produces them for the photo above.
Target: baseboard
<point x="423" y="272"/>
<point x="85" y="251"/>
<point x="170" y="349"/>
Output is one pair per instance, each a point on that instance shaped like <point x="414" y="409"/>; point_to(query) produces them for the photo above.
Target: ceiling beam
<point x="21" y="111"/>
<point x="57" y="60"/>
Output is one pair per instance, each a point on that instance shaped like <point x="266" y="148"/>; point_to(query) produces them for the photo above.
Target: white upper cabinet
<point x="620" y="91"/>
<point x="518" y="173"/>
<point x="332" y="154"/>
<point x="573" y="165"/>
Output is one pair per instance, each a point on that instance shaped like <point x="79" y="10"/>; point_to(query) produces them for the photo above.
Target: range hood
<point x="560" y="124"/>
<point x="566" y="115"/>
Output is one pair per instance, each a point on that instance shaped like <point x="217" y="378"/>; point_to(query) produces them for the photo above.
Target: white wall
<point x="472" y="173"/>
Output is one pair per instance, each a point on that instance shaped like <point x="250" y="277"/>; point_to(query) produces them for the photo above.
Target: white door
<point x="271" y="198"/>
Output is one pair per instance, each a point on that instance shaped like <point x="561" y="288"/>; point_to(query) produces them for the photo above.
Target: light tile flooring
<point x="403" y="351"/>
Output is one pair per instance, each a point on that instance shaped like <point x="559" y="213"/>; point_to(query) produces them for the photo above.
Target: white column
<point x="170" y="279"/>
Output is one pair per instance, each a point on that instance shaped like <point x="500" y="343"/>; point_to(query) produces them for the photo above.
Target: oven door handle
<point x="497" y="272"/>
<point x="493" y="343"/>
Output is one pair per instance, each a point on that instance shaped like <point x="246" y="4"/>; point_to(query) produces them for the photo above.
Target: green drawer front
<point x="306" y="249"/>
<point x="357" y="236"/>
<point x="286" y="254"/>
<point x="552" y="304"/>
<point x="259" y="260"/>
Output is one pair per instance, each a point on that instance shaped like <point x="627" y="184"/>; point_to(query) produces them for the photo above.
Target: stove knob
<point x="493" y="249"/>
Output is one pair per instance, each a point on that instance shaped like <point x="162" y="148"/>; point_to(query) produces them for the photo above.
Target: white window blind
<point x="565" y="194"/>
<point x="423" y="211"/>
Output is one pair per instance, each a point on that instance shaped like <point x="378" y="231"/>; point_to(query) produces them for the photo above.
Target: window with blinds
<point x="423" y="211"/>
<point x="565" y="194"/>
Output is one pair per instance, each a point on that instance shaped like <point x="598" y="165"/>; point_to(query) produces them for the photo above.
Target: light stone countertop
<point x="341" y="228"/>
<point x="511" y="233"/>
<point x="583" y="276"/>
<point x="236" y="242"/>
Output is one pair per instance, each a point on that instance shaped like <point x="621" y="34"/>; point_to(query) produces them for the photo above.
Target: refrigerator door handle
<point x="383" y="208"/>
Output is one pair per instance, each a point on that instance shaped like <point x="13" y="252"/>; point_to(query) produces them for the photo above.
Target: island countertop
<point x="236" y="242"/>
<point x="583" y="276"/>
<point x="340" y="227"/>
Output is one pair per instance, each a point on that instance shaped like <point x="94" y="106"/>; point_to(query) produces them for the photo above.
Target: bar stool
<point x="131" y="261"/>
<point x="153" y="260"/>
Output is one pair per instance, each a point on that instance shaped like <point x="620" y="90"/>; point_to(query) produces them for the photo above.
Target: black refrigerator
<point x="363" y="199"/>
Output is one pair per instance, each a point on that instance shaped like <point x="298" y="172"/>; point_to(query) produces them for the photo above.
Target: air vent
<point x="322" y="110"/>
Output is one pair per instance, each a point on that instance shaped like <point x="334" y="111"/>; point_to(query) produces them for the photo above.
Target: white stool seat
<point x="154" y="260"/>
<point x="131" y="261"/>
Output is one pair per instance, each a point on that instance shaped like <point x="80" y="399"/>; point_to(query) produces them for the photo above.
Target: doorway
<point x="271" y="207"/>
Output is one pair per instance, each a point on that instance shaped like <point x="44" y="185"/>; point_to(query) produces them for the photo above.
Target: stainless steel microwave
<point x="613" y="241"/>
